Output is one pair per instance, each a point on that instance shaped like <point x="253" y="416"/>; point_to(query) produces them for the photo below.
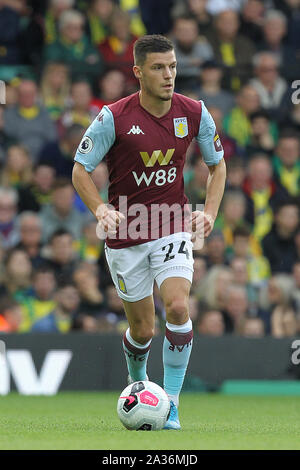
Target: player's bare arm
<point x="88" y="192"/>
<point x="214" y="193"/>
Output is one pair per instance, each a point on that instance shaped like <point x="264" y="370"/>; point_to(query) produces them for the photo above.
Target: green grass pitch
<point x="89" y="421"/>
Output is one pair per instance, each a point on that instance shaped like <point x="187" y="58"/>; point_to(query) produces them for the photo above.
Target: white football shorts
<point x="134" y="269"/>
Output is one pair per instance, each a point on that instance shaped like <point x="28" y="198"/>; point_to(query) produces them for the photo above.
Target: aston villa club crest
<point x="217" y="143"/>
<point x="181" y="127"/>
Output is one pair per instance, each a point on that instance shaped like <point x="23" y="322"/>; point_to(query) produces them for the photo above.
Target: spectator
<point x="191" y="52"/>
<point x="245" y="247"/>
<point x="270" y="87"/>
<point x="279" y="246"/>
<point x="17" y="280"/>
<point x="253" y="328"/>
<point x="200" y="271"/>
<point x="287" y="163"/>
<point x="215" y="249"/>
<point x="211" y="323"/>
<point x="262" y="195"/>
<point x="17" y="170"/>
<point x="237" y="123"/>
<point x="52" y="16"/>
<point x="60" y="319"/>
<point x="55" y="88"/>
<point x="98" y="20"/>
<point x="231" y="49"/>
<point x="73" y="48"/>
<point x="90" y="324"/>
<point x="232" y="214"/>
<point x="60" y="214"/>
<point x="114" y="310"/>
<point x="241" y="277"/>
<point x="213" y="289"/>
<point x="211" y="92"/>
<point x="236" y="173"/>
<point x="89" y="247"/>
<point x="10" y="315"/>
<point x="112" y="88"/>
<point x="60" y="154"/>
<point x="117" y="49"/>
<point x="41" y="302"/>
<point x="28" y="122"/>
<point x="264" y="134"/>
<point x="236" y="309"/>
<point x="80" y="110"/>
<point x="61" y="259"/>
<point x="33" y="196"/>
<point x="277" y="292"/>
<point x="9" y="234"/>
<point x="274" y="31"/>
<point x="30" y="236"/>
<point x="290" y="8"/>
<point x="284" y="322"/>
<point x="252" y="18"/>
<point x="91" y="297"/>
<point x="197" y="9"/>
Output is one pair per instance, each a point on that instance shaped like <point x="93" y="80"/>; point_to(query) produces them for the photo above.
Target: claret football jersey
<point x="145" y="156"/>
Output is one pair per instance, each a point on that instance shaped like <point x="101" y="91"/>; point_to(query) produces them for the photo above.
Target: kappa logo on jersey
<point x="135" y="130"/>
<point x="217" y="143"/>
<point x="181" y="127"/>
<point x="157" y="155"/>
<point x="86" y="145"/>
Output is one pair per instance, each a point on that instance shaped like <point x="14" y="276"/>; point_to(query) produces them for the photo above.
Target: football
<point x="143" y="406"/>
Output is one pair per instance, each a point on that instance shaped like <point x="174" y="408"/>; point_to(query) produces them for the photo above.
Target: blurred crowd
<point x="61" y="61"/>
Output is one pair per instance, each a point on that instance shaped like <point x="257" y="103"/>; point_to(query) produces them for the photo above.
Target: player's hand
<point x="202" y="224"/>
<point x="109" y="219"/>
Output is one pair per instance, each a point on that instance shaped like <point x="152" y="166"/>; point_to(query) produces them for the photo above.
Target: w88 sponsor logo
<point x="160" y="177"/>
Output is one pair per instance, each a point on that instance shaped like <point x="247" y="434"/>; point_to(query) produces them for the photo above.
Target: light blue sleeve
<point x="208" y="139"/>
<point x="97" y="140"/>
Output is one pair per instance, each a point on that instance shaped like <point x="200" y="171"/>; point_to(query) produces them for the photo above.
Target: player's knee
<point x="142" y="334"/>
<point x="177" y="310"/>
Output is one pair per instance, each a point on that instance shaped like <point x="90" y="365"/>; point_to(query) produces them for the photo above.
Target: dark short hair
<point x="286" y="202"/>
<point x="61" y="182"/>
<point x="43" y="269"/>
<point x="60" y="233"/>
<point x="261" y="113"/>
<point x="150" y="43"/>
<point x="289" y="133"/>
<point x="241" y="231"/>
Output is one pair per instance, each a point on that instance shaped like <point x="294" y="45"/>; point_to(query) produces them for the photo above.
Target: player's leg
<point x="133" y="279"/>
<point x="172" y="263"/>
<point x="179" y="334"/>
<point x="137" y="339"/>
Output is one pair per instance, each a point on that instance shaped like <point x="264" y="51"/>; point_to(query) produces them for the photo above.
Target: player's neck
<point x="154" y="106"/>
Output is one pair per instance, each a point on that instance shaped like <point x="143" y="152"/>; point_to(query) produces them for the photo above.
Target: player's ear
<point x="137" y="72"/>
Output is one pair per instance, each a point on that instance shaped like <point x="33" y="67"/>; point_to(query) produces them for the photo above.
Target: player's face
<point x="157" y="74"/>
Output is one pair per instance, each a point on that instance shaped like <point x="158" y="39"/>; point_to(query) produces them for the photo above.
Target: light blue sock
<point x="136" y="357"/>
<point x="176" y="354"/>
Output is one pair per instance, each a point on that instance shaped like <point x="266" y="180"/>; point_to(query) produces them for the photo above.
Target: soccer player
<point x="144" y="138"/>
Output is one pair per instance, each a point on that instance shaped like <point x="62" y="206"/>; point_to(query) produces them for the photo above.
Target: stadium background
<point x="61" y="61"/>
